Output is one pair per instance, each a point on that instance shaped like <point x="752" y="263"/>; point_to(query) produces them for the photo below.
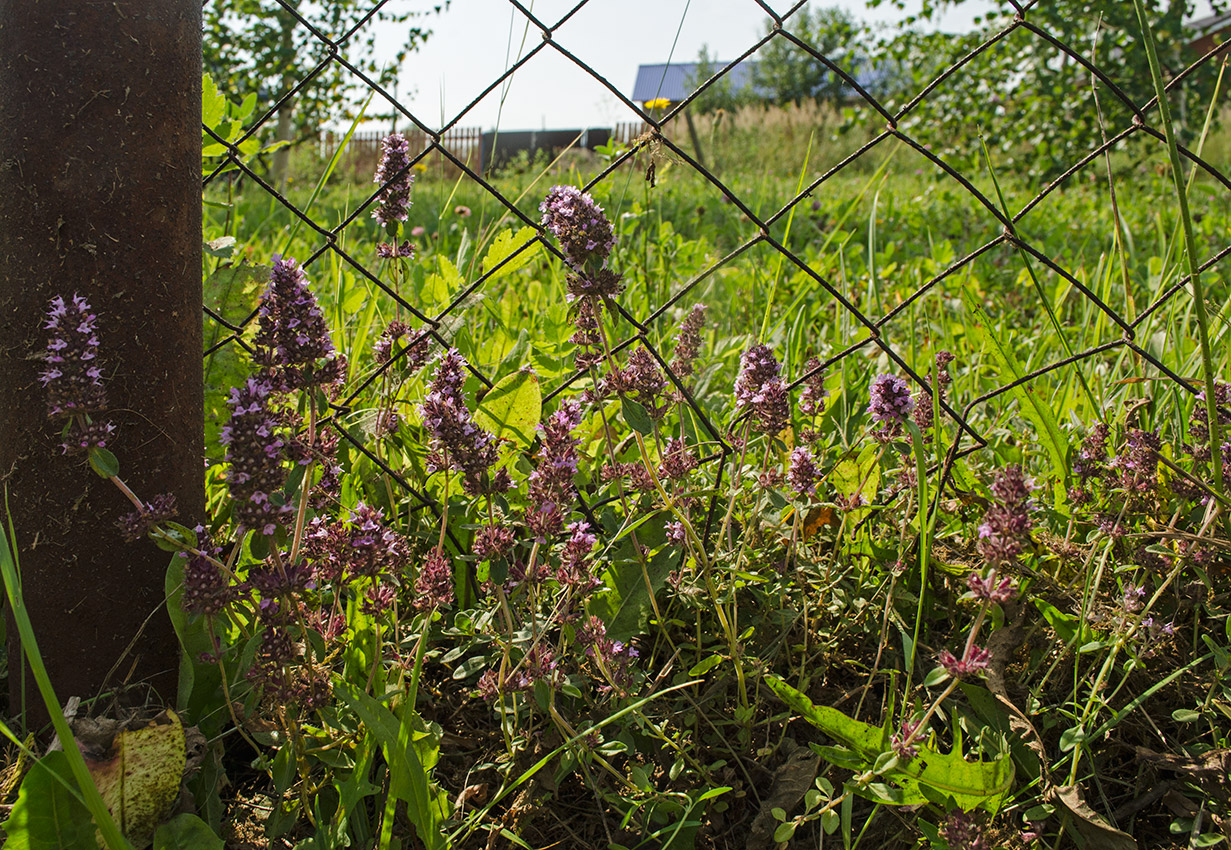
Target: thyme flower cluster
<point x="580" y="225"/>
<point x="394" y="177"/>
<point x="292" y="341"/>
<point x="73" y="378"/>
<point x="759" y="389"/>
<point x="456" y="442"/>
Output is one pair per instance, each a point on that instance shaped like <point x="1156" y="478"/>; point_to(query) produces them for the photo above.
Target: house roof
<point x="677" y="81"/>
<point x="1213" y="23"/>
<point x="672" y="81"/>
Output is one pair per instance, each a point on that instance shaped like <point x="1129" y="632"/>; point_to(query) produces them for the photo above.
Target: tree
<point x="789" y="74"/>
<point x="259" y="46"/>
<point x="721" y="95"/>
<point x="1032" y="102"/>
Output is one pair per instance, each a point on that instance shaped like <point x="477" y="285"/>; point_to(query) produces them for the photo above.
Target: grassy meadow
<point x="768" y="647"/>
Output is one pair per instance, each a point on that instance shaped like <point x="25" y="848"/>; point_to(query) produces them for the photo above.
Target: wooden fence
<point x="465" y="143"/>
<point x="363" y="150"/>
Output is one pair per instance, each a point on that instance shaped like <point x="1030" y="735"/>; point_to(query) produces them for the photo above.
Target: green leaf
<point x="47" y="815"/>
<point x="1029" y="397"/>
<point x="1185" y="715"/>
<point x="867" y="741"/>
<point x="862" y="476"/>
<point x="213" y="103"/>
<point x="969" y="783"/>
<point x="427" y="806"/>
<point x="104" y="463"/>
<point x="200" y="685"/>
<point x="176" y="537"/>
<point x="626" y="606"/>
<point x="705" y="665"/>
<point x="505" y="245"/>
<point x="636" y="417"/>
<point x="186" y="832"/>
<point x="512" y="408"/>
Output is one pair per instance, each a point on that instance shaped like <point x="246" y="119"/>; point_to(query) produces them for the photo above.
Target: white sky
<point x="474" y="41"/>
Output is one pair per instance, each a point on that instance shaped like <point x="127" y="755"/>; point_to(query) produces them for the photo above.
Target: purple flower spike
<point x="1005" y="531"/>
<point x="207" y="590"/>
<point x="678" y="460"/>
<point x="584" y="233"/>
<point x="803" y="472"/>
<point x="812" y="398"/>
<point x="990" y="588"/>
<point x="551" y="481"/>
<point x="760" y="389"/>
<point x="293" y="341"/>
<point x="688" y="341"/>
<point x="73" y="377"/>
<point x="903" y="740"/>
<point x="456" y="442"/>
<point x="975" y="661"/>
<point x="962" y="831"/>
<point x="890" y="402"/>
<point x="135" y="525"/>
<point x="434" y="586"/>
<point x="394" y="170"/>
<point x="575" y="558"/>
<point x="255" y="453"/>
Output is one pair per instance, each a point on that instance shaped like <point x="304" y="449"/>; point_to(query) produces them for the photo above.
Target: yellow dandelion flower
<point x="657" y="103"/>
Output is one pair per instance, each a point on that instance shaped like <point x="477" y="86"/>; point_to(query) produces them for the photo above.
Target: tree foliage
<point x="721" y="95"/>
<point x="787" y="73"/>
<point x="1036" y="103"/>
<point x="260" y="46"/>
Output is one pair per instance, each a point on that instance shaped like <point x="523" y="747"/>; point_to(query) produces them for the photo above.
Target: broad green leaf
<point x="426" y="805"/>
<point x="104" y="463"/>
<point x="441" y="286"/>
<point x="868" y="741"/>
<point x="929" y="775"/>
<point x="636" y="417"/>
<point x="859" y="476"/>
<point x="47" y="816"/>
<point x="512" y="408"/>
<point x="186" y="832"/>
<point x="505" y="245"/>
<point x="213" y="103"/>
<point x="626" y="605"/>
<point x="705" y="665"/>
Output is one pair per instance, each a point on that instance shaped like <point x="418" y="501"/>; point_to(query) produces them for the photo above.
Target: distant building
<point x="676" y="81"/>
<point x="1210" y="32"/>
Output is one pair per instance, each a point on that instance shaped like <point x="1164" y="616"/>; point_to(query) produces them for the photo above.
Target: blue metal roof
<point x="677" y="81"/>
<point x="672" y="80"/>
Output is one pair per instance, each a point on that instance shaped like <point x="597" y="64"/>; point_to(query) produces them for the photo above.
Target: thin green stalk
<point x="1190" y="248"/>
<point x="90" y="795"/>
<point x="408" y="708"/>
<point x="773" y="287"/>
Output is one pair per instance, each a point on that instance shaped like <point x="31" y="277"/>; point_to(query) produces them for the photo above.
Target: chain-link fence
<point x="436" y="143"/>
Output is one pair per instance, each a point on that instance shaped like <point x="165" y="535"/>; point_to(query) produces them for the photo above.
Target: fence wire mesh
<point x="662" y="138"/>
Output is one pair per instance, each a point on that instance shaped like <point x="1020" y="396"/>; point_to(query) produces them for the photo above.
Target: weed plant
<point x="544" y="570"/>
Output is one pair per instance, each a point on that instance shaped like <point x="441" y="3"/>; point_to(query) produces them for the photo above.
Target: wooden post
<point x="100" y="195"/>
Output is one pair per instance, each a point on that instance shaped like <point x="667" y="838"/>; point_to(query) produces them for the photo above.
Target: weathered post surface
<point x="100" y="194"/>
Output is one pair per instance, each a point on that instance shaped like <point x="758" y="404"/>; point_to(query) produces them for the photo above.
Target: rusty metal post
<point x="100" y="194"/>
